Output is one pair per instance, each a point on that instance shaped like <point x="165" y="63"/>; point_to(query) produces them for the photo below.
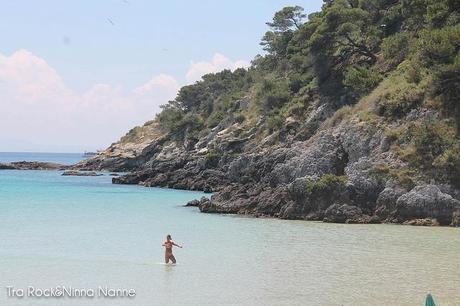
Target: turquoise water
<point x="85" y="232"/>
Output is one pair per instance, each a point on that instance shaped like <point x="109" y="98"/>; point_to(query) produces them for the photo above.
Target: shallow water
<point x="85" y="232"/>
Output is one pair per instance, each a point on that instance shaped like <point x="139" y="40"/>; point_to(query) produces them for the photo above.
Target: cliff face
<point x="343" y="173"/>
<point x="130" y="153"/>
<point x="375" y="142"/>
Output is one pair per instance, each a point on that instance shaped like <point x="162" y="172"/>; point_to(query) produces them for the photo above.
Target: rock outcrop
<point x="427" y="202"/>
<point x="80" y="173"/>
<point x="332" y="176"/>
<point x="32" y="165"/>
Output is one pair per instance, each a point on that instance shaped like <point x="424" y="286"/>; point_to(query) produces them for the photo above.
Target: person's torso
<point x="168" y="246"/>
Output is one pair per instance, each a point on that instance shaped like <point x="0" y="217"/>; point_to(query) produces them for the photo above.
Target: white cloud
<point x="218" y="63"/>
<point x="29" y="77"/>
<point x="38" y="109"/>
<point x="159" y="90"/>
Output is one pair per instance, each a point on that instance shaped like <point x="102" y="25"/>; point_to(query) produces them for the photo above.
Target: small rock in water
<point x="80" y="173"/>
<point x="7" y="167"/>
<point x="193" y="203"/>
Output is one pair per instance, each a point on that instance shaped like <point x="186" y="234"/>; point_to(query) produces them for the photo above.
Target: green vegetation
<point x="435" y="148"/>
<point x="398" y="96"/>
<point x="404" y="177"/>
<point x="377" y="60"/>
<point x="325" y="183"/>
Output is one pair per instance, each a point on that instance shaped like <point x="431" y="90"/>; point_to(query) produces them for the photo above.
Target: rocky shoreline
<point x="334" y="176"/>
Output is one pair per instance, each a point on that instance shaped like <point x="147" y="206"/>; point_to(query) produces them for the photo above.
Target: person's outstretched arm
<point x="179" y="246"/>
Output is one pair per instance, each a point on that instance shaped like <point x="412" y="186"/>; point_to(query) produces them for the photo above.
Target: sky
<point x="77" y="75"/>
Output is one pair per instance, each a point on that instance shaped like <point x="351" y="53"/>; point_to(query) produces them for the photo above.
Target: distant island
<point x="351" y="116"/>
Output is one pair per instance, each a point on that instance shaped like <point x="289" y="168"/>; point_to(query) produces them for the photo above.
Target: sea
<point x="74" y="240"/>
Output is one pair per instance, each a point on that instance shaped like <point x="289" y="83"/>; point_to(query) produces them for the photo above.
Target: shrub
<point x="435" y="147"/>
<point x="214" y="119"/>
<point x="325" y="183"/>
<point x="447" y="87"/>
<point x="131" y="135"/>
<point x="296" y="109"/>
<point x="395" y="48"/>
<point x="273" y="94"/>
<point x="170" y="117"/>
<point x="439" y="46"/>
<point x="404" y="177"/>
<point x="413" y="74"/>
<point x="399" y="97"/>
<point x="239" y="118"/>
<point x="449" y="162"/>
<point x="275" y="123"/>
<point x="394" y="134"/>
<point x="361" y="79"/>
<point x="339" y="115"/>
<point x="368" y="116"/>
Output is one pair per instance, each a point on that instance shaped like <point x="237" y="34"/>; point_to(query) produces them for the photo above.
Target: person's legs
<point x="166" y="258"/>
<point x="173" y="259"/>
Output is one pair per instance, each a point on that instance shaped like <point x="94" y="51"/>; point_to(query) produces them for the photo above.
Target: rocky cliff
<point x="364" y="137"/>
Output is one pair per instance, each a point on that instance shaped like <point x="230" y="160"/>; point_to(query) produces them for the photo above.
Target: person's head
<point x="168" y="237"/>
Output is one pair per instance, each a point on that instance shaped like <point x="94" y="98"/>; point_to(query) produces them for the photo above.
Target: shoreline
<point x="205" y="205"/>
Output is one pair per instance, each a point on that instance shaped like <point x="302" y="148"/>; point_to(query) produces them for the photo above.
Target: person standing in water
<point x="168" y="244"/>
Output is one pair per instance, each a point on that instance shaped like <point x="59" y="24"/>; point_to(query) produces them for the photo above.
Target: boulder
<point x="193" y="203"/>
<point x="456" y="219"/>
<point x="386" y="203"/>
<point x="343" y="213"/>
<point x="426" y="201"/>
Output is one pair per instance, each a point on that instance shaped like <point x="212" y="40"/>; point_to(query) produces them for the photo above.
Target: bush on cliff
<point x="326" y="183"/>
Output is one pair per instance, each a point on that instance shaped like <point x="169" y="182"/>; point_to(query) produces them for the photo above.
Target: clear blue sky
<point x="148" y="38"/>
